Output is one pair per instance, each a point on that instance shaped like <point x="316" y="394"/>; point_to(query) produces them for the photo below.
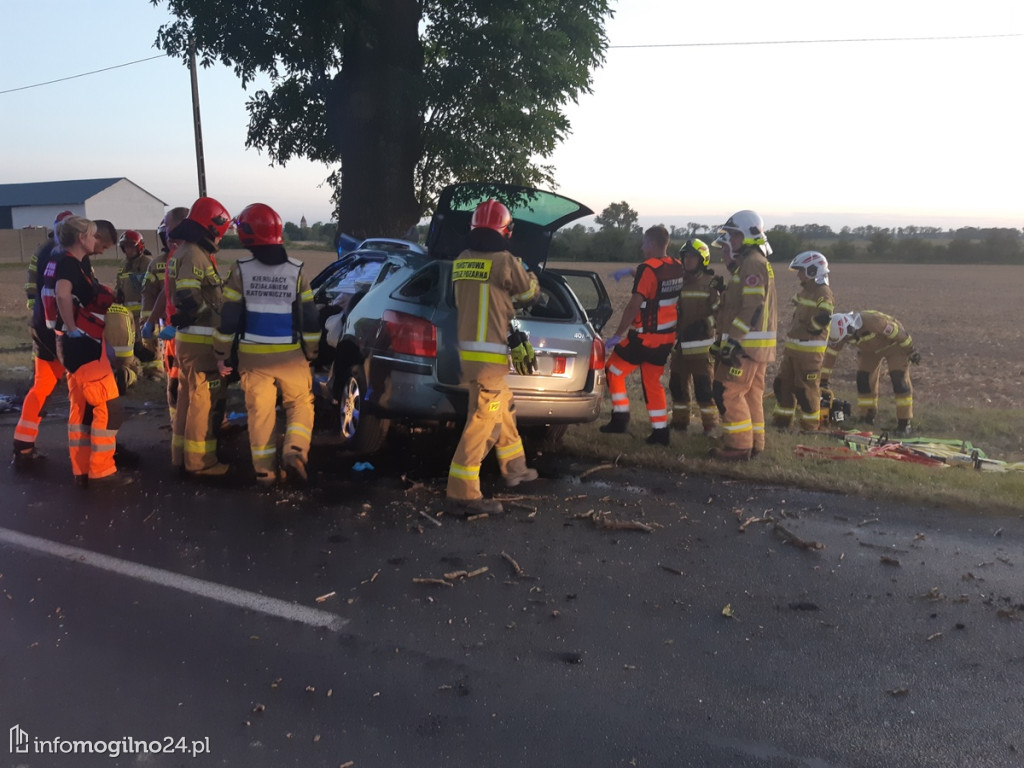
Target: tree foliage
<point x="618" y="216"/>
<point x="406" y="95"/>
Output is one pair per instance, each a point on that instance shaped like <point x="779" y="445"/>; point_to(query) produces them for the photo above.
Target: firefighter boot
<point x="730" y="454"/>
<point x="467" y="507"/>
<point x="518" y="472"/>
<point x="619" y="423"/>
<point x="903" y="428"/>
<point x="680" y="417"/>
<point x="659" y="437"/>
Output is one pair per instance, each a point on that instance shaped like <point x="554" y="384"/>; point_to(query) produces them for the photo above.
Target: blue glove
<point x="167" y="332"/>
<point x="618" y="274"/>
<point x="147" y="330"/>
<point x="78" y="333"/>
<point x="610" y="344"/>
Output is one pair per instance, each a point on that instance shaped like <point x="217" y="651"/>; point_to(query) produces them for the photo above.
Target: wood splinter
<point x="791" y="538"/>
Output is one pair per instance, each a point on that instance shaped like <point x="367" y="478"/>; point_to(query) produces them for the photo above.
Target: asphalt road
<point x="288" y="629"/>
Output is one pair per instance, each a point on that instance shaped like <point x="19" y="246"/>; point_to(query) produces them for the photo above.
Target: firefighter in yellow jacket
<point x="196" y="292"/>
<point x="269" y="313"/>
<point x="489" y="283"/>
<point x="877" y="336"/>
<point x="798" y="381"/>
<point x="691" y="357"/>
<point x="747" y="325"/>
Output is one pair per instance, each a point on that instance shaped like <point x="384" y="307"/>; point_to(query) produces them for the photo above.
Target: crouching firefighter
<point x="269" y="316"/>
<point x="489" y="283"/>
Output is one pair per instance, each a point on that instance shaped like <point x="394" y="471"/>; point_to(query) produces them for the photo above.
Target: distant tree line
<point x="617" y="238"/>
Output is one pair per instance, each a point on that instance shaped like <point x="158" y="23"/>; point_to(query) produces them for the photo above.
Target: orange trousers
<point x="47" y="374"/>
<point x="617" y="369"/>
<point x="92" y="425"/>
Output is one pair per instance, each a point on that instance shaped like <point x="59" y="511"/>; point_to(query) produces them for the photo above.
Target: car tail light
<point x="411" y="335"/>
<point x="597" y="355"/>
<point x="558" y="365"/>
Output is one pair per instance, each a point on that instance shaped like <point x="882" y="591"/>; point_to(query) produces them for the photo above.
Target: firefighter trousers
<point x="869" y="372"/>
<point x="625" y="359"/>
<point x="197" y="417"/>
<point x="93" y="420"/>
<point x="261" y="382"/>
<point x="739" y="392"/>
<point x="692" y="366"/>
<point x="491" y="423"/>
<point x="47" y="374"/>
<point x="798" y="385"/>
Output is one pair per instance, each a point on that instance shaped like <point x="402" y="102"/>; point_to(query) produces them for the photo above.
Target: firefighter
<point x="268" y="312"/>
<point x="82" y="303"/>
<point x="489" y="283"/>
<point x="746" y="343"/>
<point x="157" y="310"/>
<point x="650" y="317"/>
<point x="47" y="368"/>
<point x="129" y="290"/>
<point x="691" y="358"/>
<point x="798" y="381"/>
<point x="877" y="337"/>
<point x="196" y="298"/>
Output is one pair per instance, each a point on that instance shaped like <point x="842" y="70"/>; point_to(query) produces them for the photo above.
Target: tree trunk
<point x="379" y="93"/>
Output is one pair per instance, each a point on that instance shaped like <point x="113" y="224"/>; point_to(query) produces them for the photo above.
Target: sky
<point x="699" y="110"/>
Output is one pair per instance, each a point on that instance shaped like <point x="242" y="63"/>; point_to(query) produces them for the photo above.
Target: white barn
<point x="36" y="204"/>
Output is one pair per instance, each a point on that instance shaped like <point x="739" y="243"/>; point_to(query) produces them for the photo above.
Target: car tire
<point x="360" y="431"/>
<point x="546" y="436"/>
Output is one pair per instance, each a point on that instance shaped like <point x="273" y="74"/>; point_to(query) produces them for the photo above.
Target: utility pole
<point x="197" y="121"/>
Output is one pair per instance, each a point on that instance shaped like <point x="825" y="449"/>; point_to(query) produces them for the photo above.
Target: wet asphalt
<point x="612" y="617"/>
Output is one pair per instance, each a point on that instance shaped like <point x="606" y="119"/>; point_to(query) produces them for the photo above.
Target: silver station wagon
<point x="395" y="355"/>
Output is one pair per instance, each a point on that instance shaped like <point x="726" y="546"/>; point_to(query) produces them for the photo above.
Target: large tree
<point x="406" y="95"/>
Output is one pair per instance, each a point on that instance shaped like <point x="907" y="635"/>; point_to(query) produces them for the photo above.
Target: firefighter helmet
<point x="843" y="324"/>
<point x="131" y="237"/>
<point x="814" y="265"/>
<point x="697" y="247"/>
<point x="491" y="214"/>
<point x="211" y="216"/>
<point x="259" y="224"/>
<point x="749" y="224"/>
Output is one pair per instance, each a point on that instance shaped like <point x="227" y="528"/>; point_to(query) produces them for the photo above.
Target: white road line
<point x="251" y="601"/>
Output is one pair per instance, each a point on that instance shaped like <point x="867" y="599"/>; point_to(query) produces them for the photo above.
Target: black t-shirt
<point x="75" y="353"/>
<point x="79" y="274"/>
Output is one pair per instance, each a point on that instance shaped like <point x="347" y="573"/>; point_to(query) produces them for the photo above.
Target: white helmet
<point x="843" y="324"/>
<point x="812" y="263"/>
<point x="751" y="226"/>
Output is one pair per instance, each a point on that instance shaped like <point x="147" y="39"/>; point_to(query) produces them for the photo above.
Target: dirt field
<point x="963" y="320"/>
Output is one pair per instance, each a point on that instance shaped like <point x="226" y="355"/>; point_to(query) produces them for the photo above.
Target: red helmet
<point x="259" y="224"/>
<point x="491" y="214"/>
<point x="131" y="237"/>
<point x="211" y="216"/>
<point x="60" y="217"/>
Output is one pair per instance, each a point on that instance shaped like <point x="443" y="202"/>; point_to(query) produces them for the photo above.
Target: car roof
<point x="537" y="214"/>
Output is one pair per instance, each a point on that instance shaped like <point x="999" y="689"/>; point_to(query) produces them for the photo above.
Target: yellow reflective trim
<point x="513" y="449"/>
<point x="230" y="294"/>
<point x="200" y="446"/>
<point x="263" y="349"/>
<point x="483" y="357"/>
<point x="464" y="473"/>
<point x="187" y="284"/>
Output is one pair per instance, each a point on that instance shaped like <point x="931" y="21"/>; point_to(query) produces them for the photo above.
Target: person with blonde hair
<point x="81" y="305"/>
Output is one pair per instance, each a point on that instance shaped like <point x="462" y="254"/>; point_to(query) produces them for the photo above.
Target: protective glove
<point x="78" y="333"/>
<point x="718" y="283"/>
<point x="821" y="319"/>
<point x="182" y="319"/>
<point x="147" y="330"/>
<point x="30" y="304"/>
<point x="915" y="357"/>
<point x="618" y="274"/>
<point x="610" y="344"/>
<point x="167" y="333"/>
<point x="524" y="360"/>
<point x="731" y="352"/>
<point x="715" y="350"/>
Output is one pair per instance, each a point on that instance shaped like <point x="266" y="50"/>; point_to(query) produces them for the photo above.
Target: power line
<point x="809" y="42"/>
<point x="646" y="45"/>
<point x="83" y="74"/>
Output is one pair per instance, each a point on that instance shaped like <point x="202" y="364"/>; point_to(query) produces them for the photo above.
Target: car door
<point x="591" y="293"/>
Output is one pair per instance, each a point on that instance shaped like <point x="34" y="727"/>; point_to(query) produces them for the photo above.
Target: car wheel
<point x="545" y="436"/>
<point x="358" y="430"/>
